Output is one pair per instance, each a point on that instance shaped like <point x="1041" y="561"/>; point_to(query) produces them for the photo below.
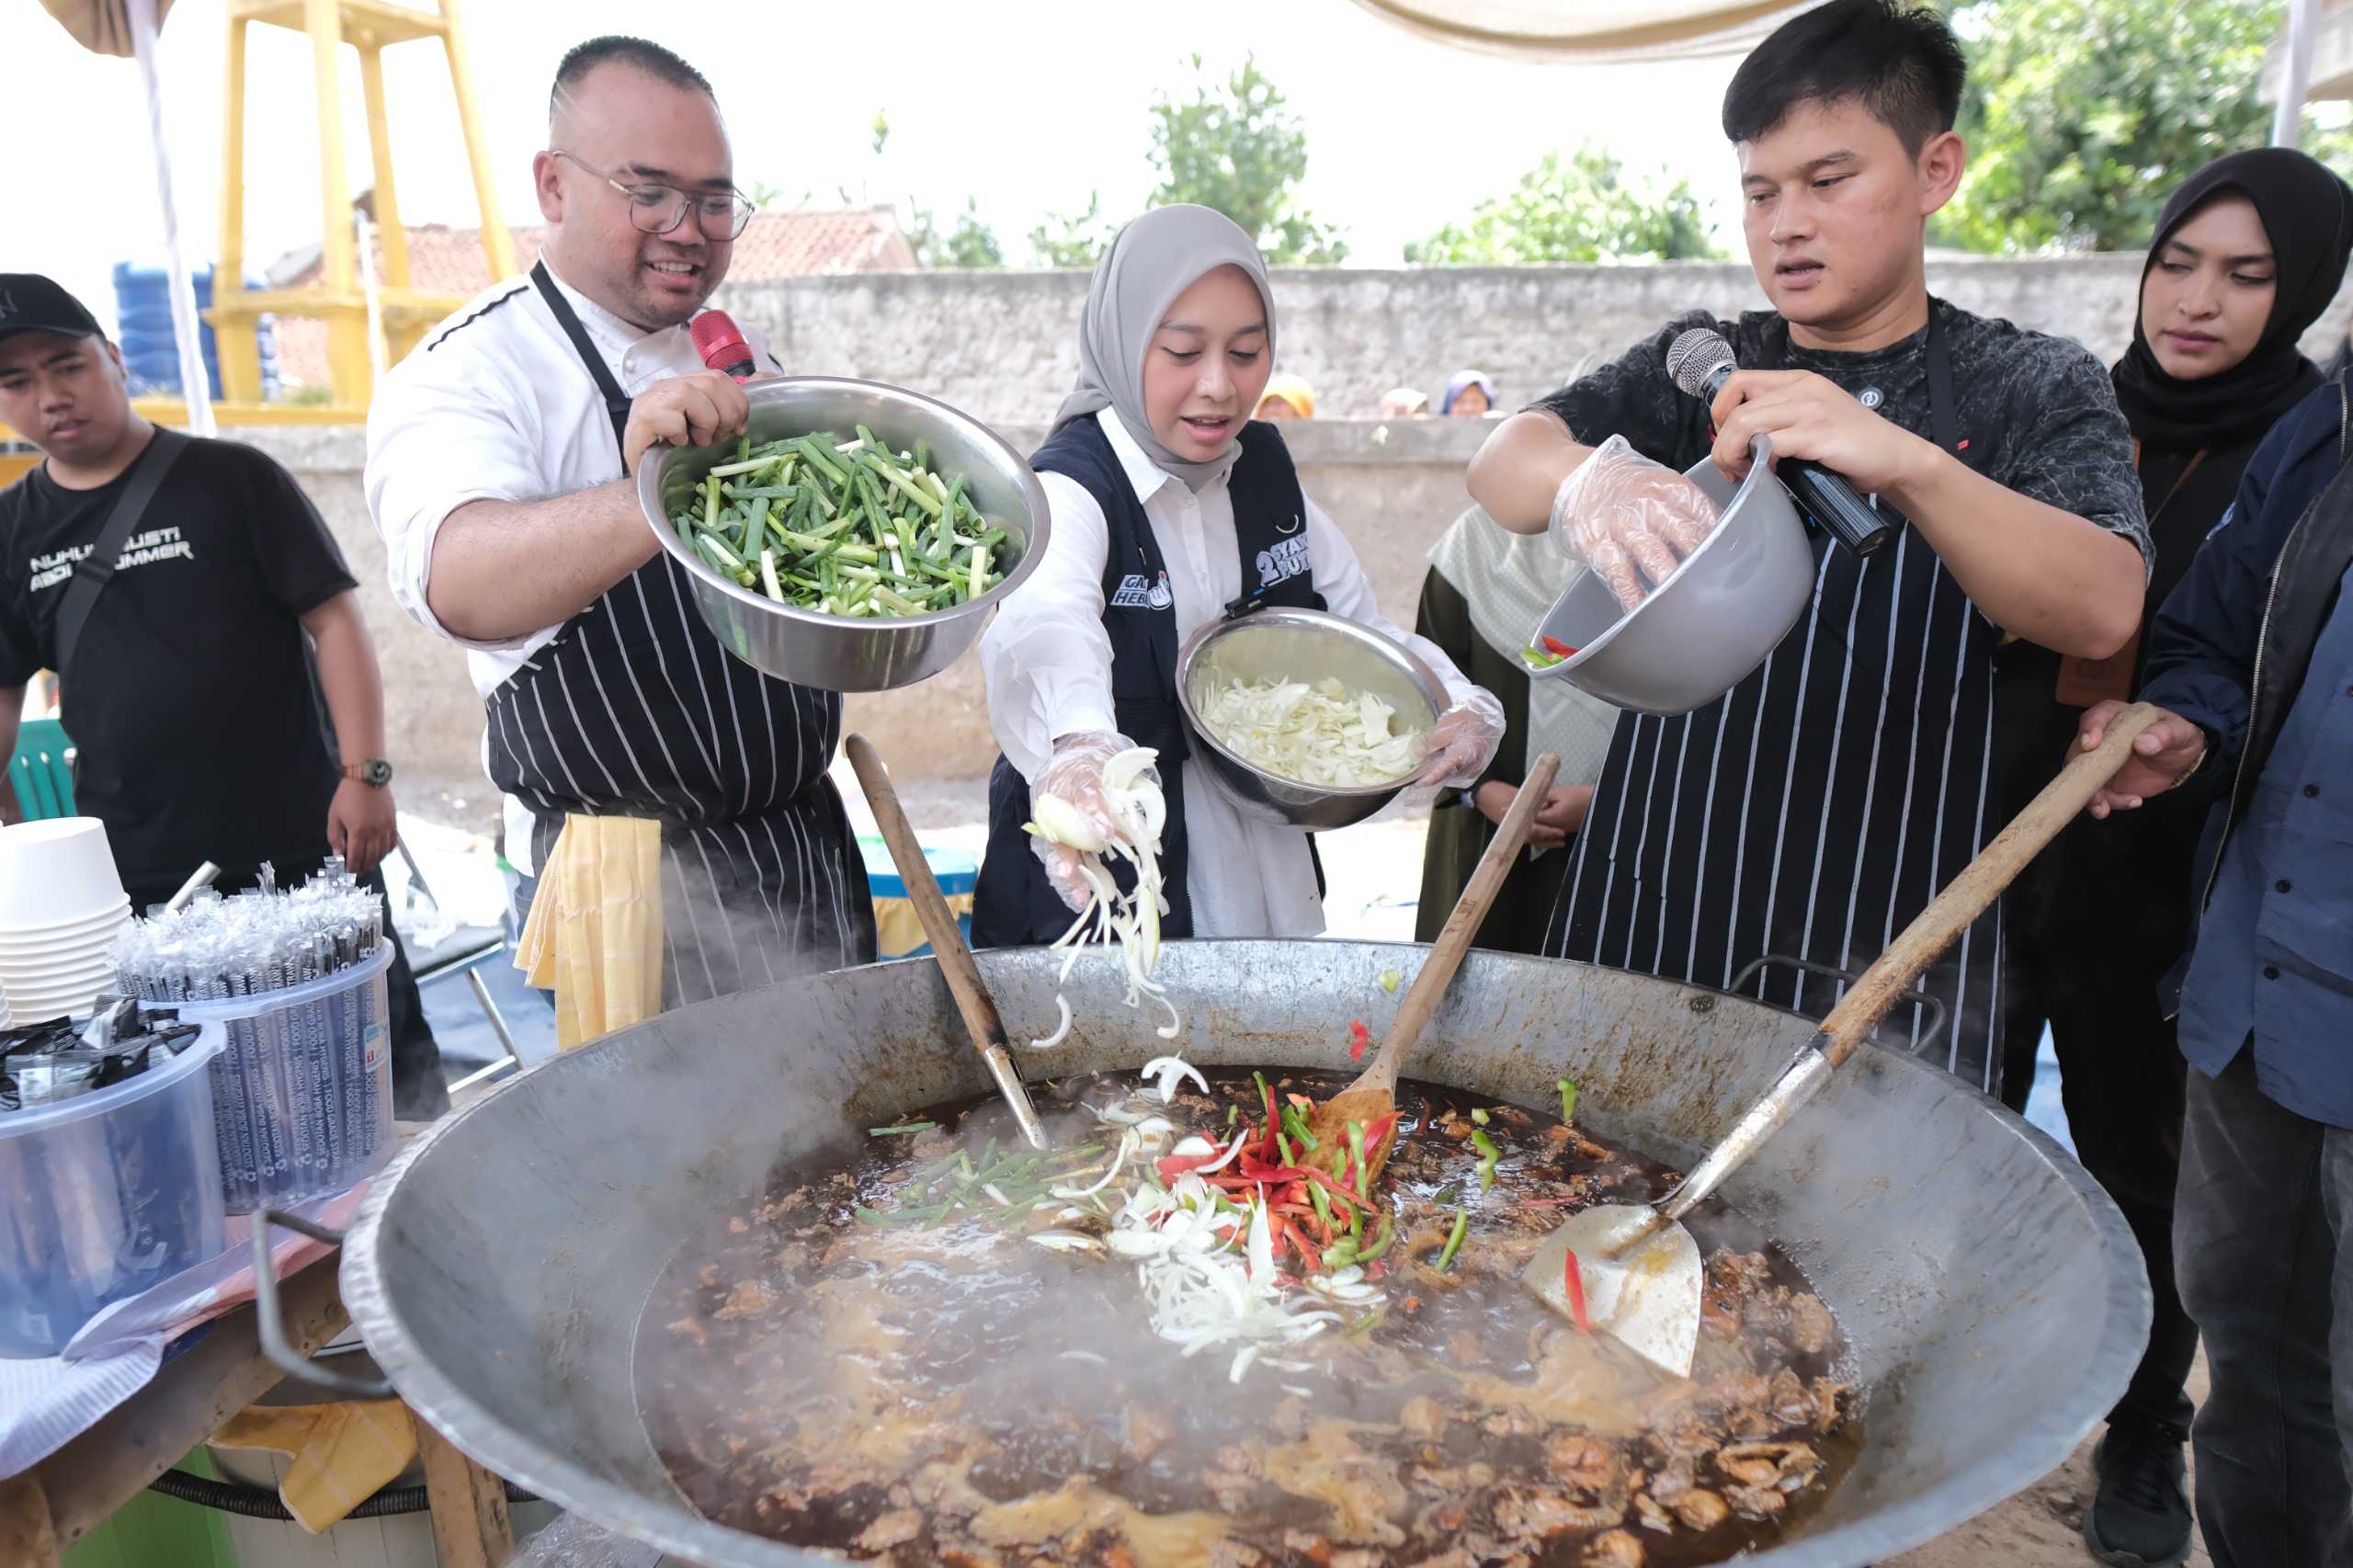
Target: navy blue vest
<point x="1012" y="905"/>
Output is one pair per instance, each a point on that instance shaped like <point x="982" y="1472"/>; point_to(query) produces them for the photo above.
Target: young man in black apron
<point x="217" y="676"/>
<point x="1814" y="810"/>
<point x="497" y="471"/>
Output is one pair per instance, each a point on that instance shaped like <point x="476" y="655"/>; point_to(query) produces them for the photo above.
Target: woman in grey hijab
<point x="1170" y="507"/>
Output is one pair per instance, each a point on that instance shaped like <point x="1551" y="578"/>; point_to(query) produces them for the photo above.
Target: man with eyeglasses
<point x="633" y="750"/>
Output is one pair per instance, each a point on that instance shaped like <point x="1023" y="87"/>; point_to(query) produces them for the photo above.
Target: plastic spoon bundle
<point x="1137" y="812"/>
<point x="251" y="943"/>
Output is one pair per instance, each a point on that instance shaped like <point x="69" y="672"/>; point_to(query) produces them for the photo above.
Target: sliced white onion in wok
<point x="1062" y="1030"/>
<point x="1067" y="1240"/>
<point x="1169" y="1070"/>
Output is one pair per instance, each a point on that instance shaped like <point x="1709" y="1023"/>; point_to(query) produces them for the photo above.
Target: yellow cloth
<point x="343" y="1454"/>
<point x="593" y="935"/>
<point x="1293" y="389"/>
<point x="898" y="930"/>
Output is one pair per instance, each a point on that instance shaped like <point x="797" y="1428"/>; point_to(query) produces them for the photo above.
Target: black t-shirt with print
<point x="192" y="700"/>
<point x="2040" y="412"/>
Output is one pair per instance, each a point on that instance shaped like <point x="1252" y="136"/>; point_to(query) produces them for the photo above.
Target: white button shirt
<point x="495" y="404"/>
<point x="1048" y="663"/>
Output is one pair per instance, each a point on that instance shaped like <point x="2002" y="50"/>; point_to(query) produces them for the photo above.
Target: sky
<point x="1027" y="106"/>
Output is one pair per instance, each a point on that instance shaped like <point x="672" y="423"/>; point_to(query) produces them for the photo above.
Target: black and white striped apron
<point x="635" y="709"/>
<point x="1818" y="806"/>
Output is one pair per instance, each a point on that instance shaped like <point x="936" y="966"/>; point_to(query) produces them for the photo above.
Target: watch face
<point x="375" y="771"/>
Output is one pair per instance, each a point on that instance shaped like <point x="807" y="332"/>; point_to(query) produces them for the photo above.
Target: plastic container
<point x="958" y="872"/>
<point x="302" y="1097"/>
<point x="99" y="928"/>
<point x="56" y="875"/>
<point x="104" y="1195"/>
<point x="1714" y="619"/>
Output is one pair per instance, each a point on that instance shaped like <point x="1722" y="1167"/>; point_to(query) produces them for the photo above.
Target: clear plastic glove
<point x="1456" y="749"/>
<point x="1629" y="519"/>
<point x="1079" y="818"/>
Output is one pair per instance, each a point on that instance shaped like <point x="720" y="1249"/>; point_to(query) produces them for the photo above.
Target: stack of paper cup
<point x="61" y="905"/>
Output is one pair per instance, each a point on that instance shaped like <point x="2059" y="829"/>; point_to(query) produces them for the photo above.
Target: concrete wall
<point x="1004" y="345"/>
<point x="1001" y="346"/>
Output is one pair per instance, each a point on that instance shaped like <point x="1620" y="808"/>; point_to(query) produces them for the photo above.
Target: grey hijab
<point x="1156" y="257"/>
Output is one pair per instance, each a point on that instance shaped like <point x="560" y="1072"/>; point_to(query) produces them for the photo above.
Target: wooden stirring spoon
<point x="1373" y="1095"/>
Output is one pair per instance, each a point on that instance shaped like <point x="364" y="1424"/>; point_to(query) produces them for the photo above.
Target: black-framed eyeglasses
<point x="658" y="208"/>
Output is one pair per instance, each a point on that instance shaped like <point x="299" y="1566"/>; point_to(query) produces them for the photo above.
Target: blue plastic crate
<point x="958" y="871"/>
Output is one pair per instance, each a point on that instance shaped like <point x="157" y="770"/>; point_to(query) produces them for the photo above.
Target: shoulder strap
<point x="97" y="568"/>
<point x="616" y="402"/>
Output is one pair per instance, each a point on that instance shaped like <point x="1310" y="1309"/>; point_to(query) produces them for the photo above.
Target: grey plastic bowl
<point x="1704" y="629"/>
<point x="1301" y="644"/>
<point x="832" y="653"/>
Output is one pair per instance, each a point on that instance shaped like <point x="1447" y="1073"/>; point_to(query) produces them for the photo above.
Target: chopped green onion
<point x="1454" y="1237"/>
<point x="1479" y="1115"/>
<point x="1568" y="1100"/>
<point x="902" y="1126"/>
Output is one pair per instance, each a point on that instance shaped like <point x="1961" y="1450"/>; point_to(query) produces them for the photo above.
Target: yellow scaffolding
<point x="370" y="26"/>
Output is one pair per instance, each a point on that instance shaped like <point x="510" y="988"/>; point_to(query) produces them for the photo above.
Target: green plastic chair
<point x="43" y="770"/>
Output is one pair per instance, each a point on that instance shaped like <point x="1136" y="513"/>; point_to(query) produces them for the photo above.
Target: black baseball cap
<point x="30" y="303"/>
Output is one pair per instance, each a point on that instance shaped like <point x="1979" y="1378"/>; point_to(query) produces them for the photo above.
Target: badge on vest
<point x="1138" y="592"/>
<point x="1287" y="559"/>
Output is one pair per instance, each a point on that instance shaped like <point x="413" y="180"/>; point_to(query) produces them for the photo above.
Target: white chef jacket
<point x="1048" y="663"/>
<point x="495" y="404"/>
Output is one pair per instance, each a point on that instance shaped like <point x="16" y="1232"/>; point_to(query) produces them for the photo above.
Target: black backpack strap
<point x="97" y="569"/>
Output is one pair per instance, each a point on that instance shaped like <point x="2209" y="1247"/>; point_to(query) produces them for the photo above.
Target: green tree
<point x="1581" y="208"/>
<point x="1236" y="146"/>
<point x="2081" y="116"/>
<point x="1067" y="239"/>
<point x="970" y="243"/>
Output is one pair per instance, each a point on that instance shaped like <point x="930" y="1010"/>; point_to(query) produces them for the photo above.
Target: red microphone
<point x="720" y="343"/>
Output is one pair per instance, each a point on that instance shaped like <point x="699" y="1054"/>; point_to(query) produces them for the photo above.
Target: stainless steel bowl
<point x="834" y="653"/>
<point x="1301" y="644"/>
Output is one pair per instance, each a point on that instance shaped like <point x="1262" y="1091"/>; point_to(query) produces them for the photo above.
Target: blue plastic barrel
<point x="142" y="301"/>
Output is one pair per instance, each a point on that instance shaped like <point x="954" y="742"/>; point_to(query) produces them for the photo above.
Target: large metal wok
<point x="1995" y="1300"/>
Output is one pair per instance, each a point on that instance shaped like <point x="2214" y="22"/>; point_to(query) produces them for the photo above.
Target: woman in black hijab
<point x="2247" y="255"/>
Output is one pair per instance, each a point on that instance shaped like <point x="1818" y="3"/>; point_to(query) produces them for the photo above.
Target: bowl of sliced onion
<point x="1305" y="718"/>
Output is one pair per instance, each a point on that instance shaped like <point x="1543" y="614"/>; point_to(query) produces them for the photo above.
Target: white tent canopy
<point x="1580" y="31"/>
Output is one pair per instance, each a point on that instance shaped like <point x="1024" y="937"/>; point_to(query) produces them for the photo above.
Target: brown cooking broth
<point x="949" y="1392"/>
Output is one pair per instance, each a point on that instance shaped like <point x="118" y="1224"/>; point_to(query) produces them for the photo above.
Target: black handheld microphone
<point x="1699" y="361"/>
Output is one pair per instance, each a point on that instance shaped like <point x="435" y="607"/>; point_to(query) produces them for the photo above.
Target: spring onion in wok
<point x="1454" y="1237"/>
<point x="1568" y="1101"/>
<point x="902" y="1126"/>
<point x="843" y="527"/>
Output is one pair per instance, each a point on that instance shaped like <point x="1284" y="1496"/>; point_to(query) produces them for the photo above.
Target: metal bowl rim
<point x="1760" y="469"/>
<point x="1432" y="688"/>
<point x="649" y="498"/>
<point x="677" y="1528"/>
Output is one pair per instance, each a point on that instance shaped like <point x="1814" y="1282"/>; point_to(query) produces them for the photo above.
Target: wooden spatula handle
<point x="964" y="976"/>
<point x="1469" y="910"/>
<point x="1980" y="883"/>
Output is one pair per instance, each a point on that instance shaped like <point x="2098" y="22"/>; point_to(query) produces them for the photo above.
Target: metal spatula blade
<point x="1639" y="1265"/>
<point x="1649" y="1299"/>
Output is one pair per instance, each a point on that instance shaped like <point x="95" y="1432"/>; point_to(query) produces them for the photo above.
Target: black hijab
<point x="2307" y="212"/>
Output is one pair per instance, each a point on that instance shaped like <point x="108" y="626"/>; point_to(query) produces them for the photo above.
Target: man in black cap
<point x="197" y="650"/>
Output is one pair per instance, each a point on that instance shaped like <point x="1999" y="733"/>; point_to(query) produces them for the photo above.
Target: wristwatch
<point x="375" y="772"/>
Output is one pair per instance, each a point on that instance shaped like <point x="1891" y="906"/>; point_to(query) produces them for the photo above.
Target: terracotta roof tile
<point x="441" y="259"/>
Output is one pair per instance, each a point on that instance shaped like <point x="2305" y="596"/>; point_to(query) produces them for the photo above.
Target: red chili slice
<point x="1359" y="1040"/>
<point x="1576" y="1295"/>
<point x="1554" y="645"/>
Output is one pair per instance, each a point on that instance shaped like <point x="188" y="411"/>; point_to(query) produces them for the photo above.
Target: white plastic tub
<point x="302" y="1097"/>
<point x="104" y="1195"/>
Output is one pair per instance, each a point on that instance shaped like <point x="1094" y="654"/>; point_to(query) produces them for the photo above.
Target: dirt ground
<point x="2039" y="1528"/>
